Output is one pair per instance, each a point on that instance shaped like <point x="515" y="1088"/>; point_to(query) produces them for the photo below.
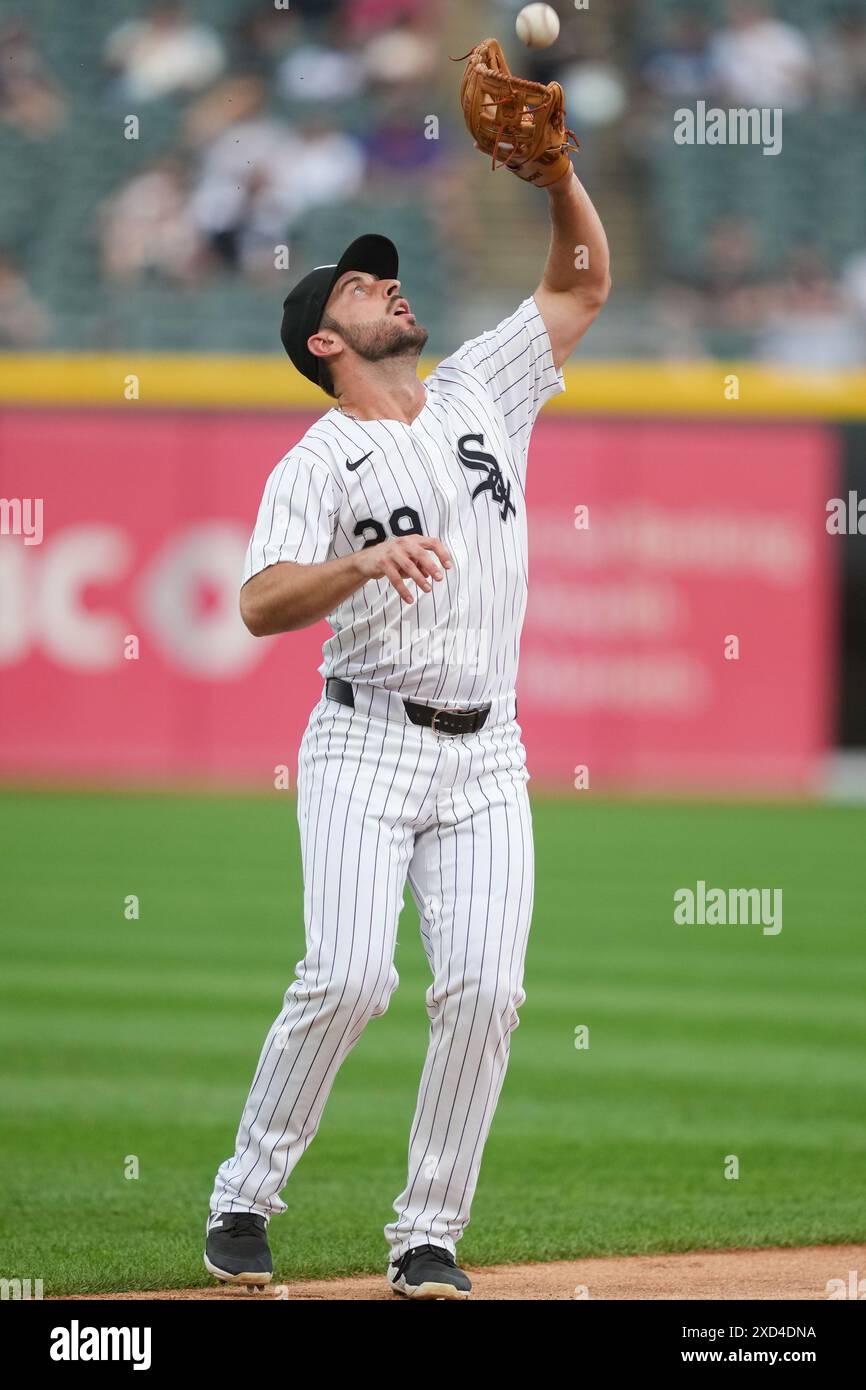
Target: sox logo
<point x="494" y="483"/>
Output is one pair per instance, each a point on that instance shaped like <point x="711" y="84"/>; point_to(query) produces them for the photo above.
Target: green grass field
<point x="140" y="1038"/>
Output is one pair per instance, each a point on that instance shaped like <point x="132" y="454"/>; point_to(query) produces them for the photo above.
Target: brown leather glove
<point x="520" y="123"/>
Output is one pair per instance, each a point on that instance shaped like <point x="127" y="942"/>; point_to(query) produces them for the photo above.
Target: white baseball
<point x="537" y="26"/>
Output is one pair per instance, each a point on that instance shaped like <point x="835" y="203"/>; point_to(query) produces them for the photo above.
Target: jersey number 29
<point x="404" y="522"/>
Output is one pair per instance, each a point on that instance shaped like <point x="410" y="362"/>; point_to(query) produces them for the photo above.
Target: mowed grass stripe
<point x="141" y="1037"/>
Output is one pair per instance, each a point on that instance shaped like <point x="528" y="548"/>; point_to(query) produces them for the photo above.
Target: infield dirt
<point x="804" y="1273"/>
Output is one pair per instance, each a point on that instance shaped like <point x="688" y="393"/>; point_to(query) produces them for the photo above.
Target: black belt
<point x="441" y="721"/>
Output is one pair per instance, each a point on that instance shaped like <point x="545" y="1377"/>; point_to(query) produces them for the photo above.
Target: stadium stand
<point x="157" y="242"/>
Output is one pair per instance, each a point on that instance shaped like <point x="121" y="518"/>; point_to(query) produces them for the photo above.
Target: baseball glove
<point x="520" y="123"/>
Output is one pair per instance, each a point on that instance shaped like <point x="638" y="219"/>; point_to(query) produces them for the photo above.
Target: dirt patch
<point x="727" y="1274"/>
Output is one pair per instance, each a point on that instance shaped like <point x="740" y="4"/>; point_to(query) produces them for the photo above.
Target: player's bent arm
<point x="287" y="595"/>
<point x="576" y="279"/>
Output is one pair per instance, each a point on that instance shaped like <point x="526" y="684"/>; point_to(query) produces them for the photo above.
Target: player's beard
<point x="387" y="337"/>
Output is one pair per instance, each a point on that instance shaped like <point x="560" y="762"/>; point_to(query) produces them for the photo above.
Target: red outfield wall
<point x="697" y="532"/>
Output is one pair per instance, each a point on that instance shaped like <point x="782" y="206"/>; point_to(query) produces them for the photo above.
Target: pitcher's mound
<point x="807" y="1273"/>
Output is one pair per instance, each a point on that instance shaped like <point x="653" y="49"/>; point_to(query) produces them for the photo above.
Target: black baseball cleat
<point x="428" y="1271"/>
<point x="236" y="1250"/>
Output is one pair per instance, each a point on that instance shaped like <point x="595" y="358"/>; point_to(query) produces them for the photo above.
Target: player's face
<point x="373" y="318"/>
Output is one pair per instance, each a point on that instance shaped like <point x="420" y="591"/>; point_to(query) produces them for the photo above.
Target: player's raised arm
<point x="576" y="279"/>
<point x="521" y="124"/>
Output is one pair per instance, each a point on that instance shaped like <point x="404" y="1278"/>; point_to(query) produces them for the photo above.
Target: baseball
<point x="537" y="26"/>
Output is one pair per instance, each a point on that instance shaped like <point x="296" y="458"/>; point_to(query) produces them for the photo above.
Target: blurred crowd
<point x="750" y="55"/>
<point x="266" y="129"/>
<point x="797" y="315"/>
<point x="245" y="174"/>
<point x="739" y="296"/>
<point x="759" y="58"/>
<point x="315" y="102"/>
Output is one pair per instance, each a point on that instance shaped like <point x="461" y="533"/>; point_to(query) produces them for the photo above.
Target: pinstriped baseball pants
<point x="381" y="800"/>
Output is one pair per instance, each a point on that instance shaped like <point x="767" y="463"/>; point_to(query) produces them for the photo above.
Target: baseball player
<point x="400" y="517"/>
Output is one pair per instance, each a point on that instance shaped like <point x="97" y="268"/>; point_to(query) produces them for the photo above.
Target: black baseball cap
<point x="304" y="305"/>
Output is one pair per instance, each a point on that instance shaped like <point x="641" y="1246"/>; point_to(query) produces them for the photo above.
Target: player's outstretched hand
<point x="519" y="123"/>
<point x="406" y="557"/>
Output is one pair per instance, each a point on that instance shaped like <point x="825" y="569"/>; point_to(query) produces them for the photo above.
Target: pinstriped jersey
<point x="457" y="472"/>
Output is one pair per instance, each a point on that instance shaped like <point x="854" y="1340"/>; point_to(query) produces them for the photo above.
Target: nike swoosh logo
<point x="357" y="464"/>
